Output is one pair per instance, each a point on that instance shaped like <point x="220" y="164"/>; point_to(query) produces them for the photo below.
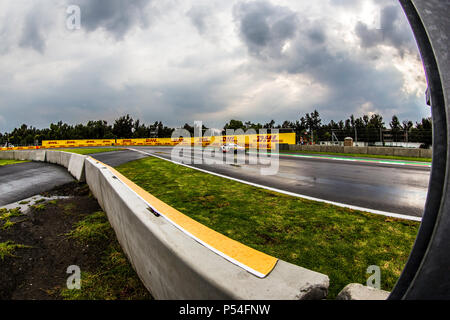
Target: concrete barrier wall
<point x="76" y="166"/>
<point x="53" y="157"/>
<point x="26" y="155"/>
<point x="58" y="157"/>
<point x="332" y="149"/>
<point x="315" y="148"/>
<point x="22" y="155"/>
<point x="171" y="264"/>
<point x="38" y="155"/>
<point x="383" y="151"/>
<point x="356" y="150"/>
<point x="74" y="162"/>
<point x="406" y="152"/>
<point x="295" y="147"/>
<point x="174" y="266"/>
<point x="426" y="153"/>
<point x="65" y="159"/>
<point x="7" y="155"/>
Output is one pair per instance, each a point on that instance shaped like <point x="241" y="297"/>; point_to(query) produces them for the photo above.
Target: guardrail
<point x="170" y="263"/>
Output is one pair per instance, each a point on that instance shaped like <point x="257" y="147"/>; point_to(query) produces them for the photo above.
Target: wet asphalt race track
<point x="24" y="180"/>
<point x="385" y="187"/>
<point x="117" y="158"/>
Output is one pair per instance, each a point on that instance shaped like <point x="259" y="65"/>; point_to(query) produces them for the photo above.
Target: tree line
<point x="124" y="127"/>
<point x="368" y="128"/>
<point x="309" y="127"/>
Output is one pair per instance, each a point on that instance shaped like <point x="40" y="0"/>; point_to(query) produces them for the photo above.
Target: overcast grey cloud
<point x="115" y="16"/>
<point x="180" y="61"/>
<point x="349" y="78"/>
<point x="393" y="32"/>
<point x="33" y="33"/>
<point x="265" y="27"/>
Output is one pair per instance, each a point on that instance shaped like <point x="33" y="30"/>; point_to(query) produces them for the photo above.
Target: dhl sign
<point x="148" y="142"/>
<point x="260" y="141"/>
<point x="77" y="143"/>
<point x="268" y="138"/>
<point x="20" y="148"/>
<point x="228" y="139"/>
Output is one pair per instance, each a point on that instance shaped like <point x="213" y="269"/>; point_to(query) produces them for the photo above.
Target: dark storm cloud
<point x="393" y="32"/>
<point x="317" y="35"/>
<point x="264" y="27"/>
<point x="85" y="95"/>
<point x="368" y="37"/>
<point x="82" y="96"/>
<point x="115" y="16"/>
<point x="350" y="80"/>
<point x="33" y="31"/>
<point x="188" y="85"/>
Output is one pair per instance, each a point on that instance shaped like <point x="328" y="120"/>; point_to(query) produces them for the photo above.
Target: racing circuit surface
<point x="379" y="186"/>
<point x="23" y="180"/>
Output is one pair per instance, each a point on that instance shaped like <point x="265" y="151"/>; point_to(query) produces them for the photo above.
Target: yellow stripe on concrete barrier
<point x="250" y="259"/>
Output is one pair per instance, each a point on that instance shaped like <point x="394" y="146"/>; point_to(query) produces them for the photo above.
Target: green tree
<point x="123" y="127"/>
<point x="396" y="127"/>
<point x="234" y="125"/>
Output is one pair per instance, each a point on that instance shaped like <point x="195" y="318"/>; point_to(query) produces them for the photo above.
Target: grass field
<point x="8" y="162"/>
<point x="338" y="242"/>
<point x="354" y="155"/>
<point x="91" y="150"/>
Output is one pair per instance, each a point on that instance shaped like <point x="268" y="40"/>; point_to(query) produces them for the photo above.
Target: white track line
<point x="368" y="160"/>
<point x="343" y="205"/>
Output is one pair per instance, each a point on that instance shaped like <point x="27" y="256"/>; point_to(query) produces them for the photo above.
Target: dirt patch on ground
<point x="38" y="271"/>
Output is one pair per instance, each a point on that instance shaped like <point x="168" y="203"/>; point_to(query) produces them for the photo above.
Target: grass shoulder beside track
<point x="8" y="162"/>
<point x="85" y="151"/>
<point x="339" y="242"/>
<point x="359" y="155"/>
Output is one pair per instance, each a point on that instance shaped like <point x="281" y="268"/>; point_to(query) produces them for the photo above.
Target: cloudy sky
<point x="212" y="60"/>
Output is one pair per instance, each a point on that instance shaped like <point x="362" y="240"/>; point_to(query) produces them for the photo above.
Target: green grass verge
<point x="39" y="207"/>
<point x="8" y="162"/>
<point x="85" y="151"/>
<point x="6" y="215"/>
<point x="359" y="155"/>
<point x="115" y="279"/>
<point x="338" y="242"/>
<point x="8" y="248"/>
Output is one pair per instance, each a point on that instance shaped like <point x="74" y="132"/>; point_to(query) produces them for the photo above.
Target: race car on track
<point x="231" y="147"/>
